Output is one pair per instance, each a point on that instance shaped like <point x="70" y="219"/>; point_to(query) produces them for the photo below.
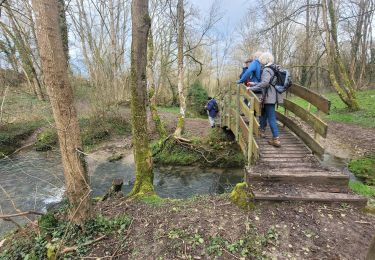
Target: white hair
<point x="256" y="55"/>
<point x="266" y="58"/>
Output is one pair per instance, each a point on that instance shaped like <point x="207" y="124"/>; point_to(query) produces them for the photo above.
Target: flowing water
<point x="34" y="180"/>
<point x="329" y="160"/>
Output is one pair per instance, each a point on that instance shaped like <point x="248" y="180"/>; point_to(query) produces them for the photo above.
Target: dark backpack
<point x="283" y="78"/>
<point x="216" y="107"/>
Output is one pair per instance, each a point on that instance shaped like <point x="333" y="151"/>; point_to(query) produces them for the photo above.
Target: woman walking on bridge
<point x="269" y="99"/>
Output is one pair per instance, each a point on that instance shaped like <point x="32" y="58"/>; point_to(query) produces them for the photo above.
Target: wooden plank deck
<point x="293" y="173"/>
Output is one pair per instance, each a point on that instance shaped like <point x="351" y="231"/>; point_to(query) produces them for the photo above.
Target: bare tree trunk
<point x="306" y="54"/>
<point x="24" y="53"/>
<point x="53" y="62"/>
<point x="180" y="59"/>
<point x="160" y="128"/>
<point x="142" y="155"/>
<point x="337" y="72"/>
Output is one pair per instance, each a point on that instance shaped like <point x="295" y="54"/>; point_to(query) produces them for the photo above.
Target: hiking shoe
<point x="275" y="142"/>
<point x="262" y="133"/>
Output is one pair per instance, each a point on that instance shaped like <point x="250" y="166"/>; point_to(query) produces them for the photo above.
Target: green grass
<point x="339" y="112"/>
<point x="362" y="189"/>
<point x="175" y="110"/>
<point x="153" y="200"/>
<point x="364" y="169"/>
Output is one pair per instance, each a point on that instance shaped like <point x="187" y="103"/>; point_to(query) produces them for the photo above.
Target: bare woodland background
<point x="97" y="37"/>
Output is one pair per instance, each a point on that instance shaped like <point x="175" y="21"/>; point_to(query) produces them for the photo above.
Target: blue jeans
<point x="268" y="112"/>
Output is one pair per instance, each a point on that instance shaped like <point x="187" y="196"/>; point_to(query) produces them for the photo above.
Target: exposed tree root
<point x="74" y="248"/>
<point x="202" y="151"/>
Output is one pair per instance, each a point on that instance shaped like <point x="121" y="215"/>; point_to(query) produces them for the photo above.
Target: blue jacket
<point x="210" y="108"/>
<point x="253" y="71"/>
<point x="244" y="69"/>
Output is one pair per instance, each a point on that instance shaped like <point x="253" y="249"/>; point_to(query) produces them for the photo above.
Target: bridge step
<point x="331" y="179"/>
<point x="288" y="164"/>
<point x="327" y="197"/>
<point x="284" y="156"/>
<point x="286" y="159"/>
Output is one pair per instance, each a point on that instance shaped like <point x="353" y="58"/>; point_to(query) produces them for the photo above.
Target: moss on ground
<point x="93" y="131"/>
<point x="96" y="130"/>
<point x="115" y="157"/>
<point x="364" y="169"/>
<point x="12" y="135"/>
<point x="242" y="196"/>
<point x="46" y="140"/>
<point x="216" y="150"/>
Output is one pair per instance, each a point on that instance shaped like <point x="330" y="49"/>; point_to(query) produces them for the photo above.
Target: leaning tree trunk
<point x="54" y="67"/>
<point x="180" y="59"/>
<point x="160" y="128"/>
<point x="337" y="72"/>
<point x="142" y="155"/>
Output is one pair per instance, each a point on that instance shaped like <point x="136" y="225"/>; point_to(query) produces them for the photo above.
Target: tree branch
<point x="196" y="61"/>
<point x="21" y="214"/>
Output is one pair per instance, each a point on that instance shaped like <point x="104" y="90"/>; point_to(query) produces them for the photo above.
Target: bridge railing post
<point x="237" y="112"/>
<point x="250" y="157"/>
<point x="229" y="107"/>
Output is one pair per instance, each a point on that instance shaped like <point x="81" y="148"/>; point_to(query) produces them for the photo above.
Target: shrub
<point x="197" y="99"/>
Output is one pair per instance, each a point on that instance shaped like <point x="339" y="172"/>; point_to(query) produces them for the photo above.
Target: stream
<point x="34" y="180"/>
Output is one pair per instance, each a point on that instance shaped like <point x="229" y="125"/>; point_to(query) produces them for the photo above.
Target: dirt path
<point x="347" y="140"/>
<point x="213" y="228"/>
<point x="193" y="126"/>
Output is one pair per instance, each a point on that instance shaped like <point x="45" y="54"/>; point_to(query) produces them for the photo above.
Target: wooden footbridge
<point x="291" y="172"/>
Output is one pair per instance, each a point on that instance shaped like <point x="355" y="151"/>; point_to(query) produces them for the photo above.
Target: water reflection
<point x="33" y="180"/>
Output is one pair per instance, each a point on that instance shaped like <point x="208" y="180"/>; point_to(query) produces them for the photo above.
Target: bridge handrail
<point x="317" y="100"/>
<point x="245" y="131"/>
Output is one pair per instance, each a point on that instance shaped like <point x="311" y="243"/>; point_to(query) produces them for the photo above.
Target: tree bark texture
<point x="180" y="60"/>
<point x="141" y="23"/>
<point x="53" y="62"/>
<point x="64" y="29"/>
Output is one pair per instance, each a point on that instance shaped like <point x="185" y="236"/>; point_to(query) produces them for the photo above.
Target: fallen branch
<point x="21" y="214"/>
<point x="74" y="248"/>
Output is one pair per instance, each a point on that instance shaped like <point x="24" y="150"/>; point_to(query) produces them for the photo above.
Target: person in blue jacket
<point x="253" y="71"/>
<point x="212" y="110"/>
